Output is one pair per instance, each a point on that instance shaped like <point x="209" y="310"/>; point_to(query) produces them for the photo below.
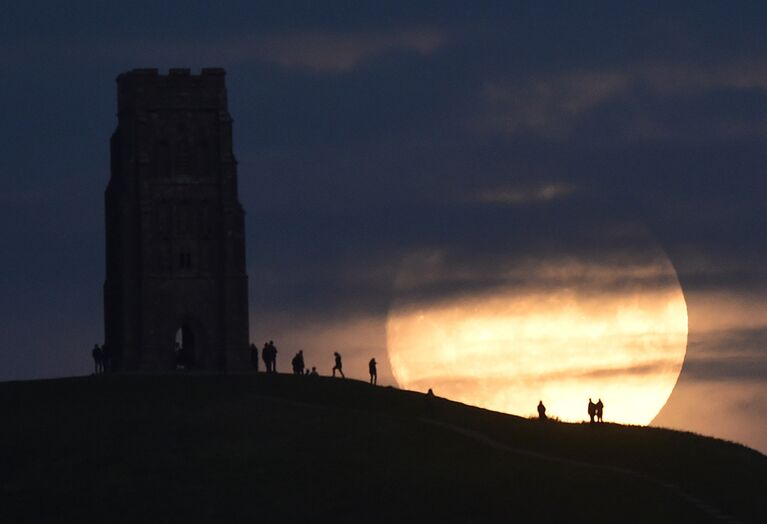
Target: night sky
<point x="366" y="135"/>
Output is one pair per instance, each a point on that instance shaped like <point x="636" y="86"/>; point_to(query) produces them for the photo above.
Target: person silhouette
<point x="254" y="356"/>
<point x="265" y="357"/>
<point x="598" y="407"/>
<point x="373" y="371"/>
<point x="298" y="363"/>
<point x="314" y="372"/>
<point x="592" y="410"/>
<point x="541" y="410"/>
<point x="338" y="365"/>
<point x="98" y="359"/>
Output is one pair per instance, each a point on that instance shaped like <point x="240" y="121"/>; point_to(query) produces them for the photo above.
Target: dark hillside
<point x="302" y="449"/>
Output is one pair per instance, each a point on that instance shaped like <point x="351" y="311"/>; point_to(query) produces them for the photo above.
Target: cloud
<point x="526" y="195"/>
<point x="552" y="105"/>
<point x="727" y="354"/>
<point x="634" y="261"/>
<point x="327" y="52"/>
<point x="343" y="52"/>
<point x="731" y="409"/>
<point x="655" y="367"/>
<point x="547" y="105"/>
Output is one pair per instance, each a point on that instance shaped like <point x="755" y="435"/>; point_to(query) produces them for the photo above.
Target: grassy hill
<point x="315" y="449"/>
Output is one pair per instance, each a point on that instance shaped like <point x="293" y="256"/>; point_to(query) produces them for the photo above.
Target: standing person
<point x="98" y="359"/>
<point x="592" y="411"/>
<point x="373" y="371"/>
<point x="338" y="365"/>
<point x="265" y="357"/>
<point x="298" y="363"/>
<point x="598" y="407"/>
<point x="541" y="410"/>
<point x="254" y="356"/>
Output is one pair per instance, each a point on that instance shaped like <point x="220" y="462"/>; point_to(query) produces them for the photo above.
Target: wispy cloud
<point x="329" y="52"/>
<point x="526" y="195"/>
<point x="548" y="104"/>
<point x="552" y="104"/>
<point x="342" y="52"/>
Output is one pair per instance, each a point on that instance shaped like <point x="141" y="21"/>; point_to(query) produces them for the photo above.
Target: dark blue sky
<point x="364" y="133"/>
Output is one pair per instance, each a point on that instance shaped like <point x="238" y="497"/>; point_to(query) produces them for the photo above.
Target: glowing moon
<point x="558" y="332"/>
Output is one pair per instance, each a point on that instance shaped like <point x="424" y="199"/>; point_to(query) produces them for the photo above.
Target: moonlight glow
<point x="616" y="333"/>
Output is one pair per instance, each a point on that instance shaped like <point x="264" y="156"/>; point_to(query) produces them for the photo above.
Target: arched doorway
<point x="185" y="351"/>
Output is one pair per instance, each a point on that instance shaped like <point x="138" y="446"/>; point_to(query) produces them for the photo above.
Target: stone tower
<point x="176" y="293"/>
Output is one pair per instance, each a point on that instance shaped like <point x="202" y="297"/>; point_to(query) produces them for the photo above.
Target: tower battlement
<point x="147" y="89"/>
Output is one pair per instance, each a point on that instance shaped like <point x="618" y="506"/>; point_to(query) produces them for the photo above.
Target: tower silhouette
<point x="176" y="287"/>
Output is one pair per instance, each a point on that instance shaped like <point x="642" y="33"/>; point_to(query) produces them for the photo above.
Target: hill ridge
<point x="238" y="430"/>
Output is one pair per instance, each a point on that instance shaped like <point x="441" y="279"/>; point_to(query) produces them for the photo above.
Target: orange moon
<point x="570" y="331"/>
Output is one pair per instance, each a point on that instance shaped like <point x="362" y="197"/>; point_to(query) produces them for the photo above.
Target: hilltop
<point x="278" y="448"/>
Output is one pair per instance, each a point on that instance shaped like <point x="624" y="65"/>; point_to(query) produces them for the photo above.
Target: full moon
<point x="557" y="331"/>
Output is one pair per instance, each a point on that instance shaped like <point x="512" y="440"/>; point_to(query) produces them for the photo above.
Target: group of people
<point x="269" y="356"/>
<point x="298" y="365"/>
<point x="595" y="410"/>
<point x="101" y="358"/>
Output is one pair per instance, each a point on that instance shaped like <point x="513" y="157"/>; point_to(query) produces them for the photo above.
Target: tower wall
<point x="175" y="228"/>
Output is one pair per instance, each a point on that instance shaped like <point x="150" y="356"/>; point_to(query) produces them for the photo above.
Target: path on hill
<point x="704" y="507"/>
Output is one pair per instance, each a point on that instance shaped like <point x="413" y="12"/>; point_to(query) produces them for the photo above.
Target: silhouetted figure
<point x="254" y="356"/>
<point x="541" y="410"/>
<point x="592" y="411"/>
<point x="269" y="356"/>
<point x="298" y="363"/>
<point x="265" y="357"/>
<point x="338" y="366"/>
<point x="373" y="371"/>
<point x="598" y="407"/>
<point x="98" y="359"/>
<point x="314" y="372"/>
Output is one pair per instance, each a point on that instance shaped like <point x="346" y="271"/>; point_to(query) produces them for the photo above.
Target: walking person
<point x="338" y="366"/>
<point x="373" y="371"/>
